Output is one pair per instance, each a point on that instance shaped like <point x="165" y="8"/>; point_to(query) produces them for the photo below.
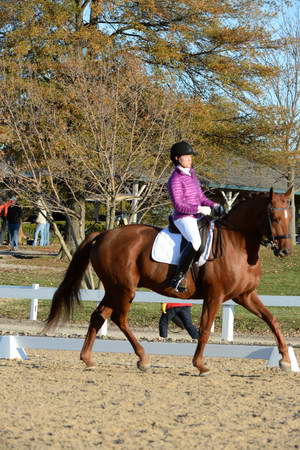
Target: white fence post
<point x="227" y="322"/>
<point x="34" y="305"/>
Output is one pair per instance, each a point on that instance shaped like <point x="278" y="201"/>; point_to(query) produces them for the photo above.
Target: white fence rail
<point x="36" y="293"/>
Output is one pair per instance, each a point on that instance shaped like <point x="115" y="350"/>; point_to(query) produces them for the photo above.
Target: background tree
<point x="209" y="49"/>
<point x="93" y="92"/>
<point x="282" y="95"/>
<point x="90" y="135"/>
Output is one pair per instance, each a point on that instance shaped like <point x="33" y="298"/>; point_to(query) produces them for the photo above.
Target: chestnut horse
<point x="122" y="260"/>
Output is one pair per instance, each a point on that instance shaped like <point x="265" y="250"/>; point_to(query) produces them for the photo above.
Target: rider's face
<point x="185" y="161"/>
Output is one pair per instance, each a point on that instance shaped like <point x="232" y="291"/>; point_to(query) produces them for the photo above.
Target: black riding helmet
<point x="181" y="148"/>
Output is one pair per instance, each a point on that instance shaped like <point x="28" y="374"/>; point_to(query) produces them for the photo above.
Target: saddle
<point x="203" y="225"/>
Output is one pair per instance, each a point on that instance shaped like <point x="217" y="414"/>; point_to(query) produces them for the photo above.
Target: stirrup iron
<point x="176" y="283"/>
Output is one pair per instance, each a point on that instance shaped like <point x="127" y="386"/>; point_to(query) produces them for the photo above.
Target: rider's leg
<point x="189" y="229"/>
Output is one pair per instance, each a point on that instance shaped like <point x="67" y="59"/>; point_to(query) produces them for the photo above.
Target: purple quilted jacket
<point x="186" y="194"/>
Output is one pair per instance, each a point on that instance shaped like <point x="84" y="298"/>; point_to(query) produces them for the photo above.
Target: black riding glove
<point x="218" y="210"/>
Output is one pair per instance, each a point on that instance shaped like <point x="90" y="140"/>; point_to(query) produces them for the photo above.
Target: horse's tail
<point x="67" y="294"/>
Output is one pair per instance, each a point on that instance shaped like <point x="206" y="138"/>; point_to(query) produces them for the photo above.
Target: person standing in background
<point x="3" y="220"/>
<point x="41" y="224"/>
<point x="46" y="234"/>
<point x="181" y="311"/>
<point x="14" y="217"/>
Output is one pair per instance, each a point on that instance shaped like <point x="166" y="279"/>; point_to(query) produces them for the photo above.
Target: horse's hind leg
<point x="98" y="317"/>
<point x="253" y="303"/>
<point x="119" y="317"/>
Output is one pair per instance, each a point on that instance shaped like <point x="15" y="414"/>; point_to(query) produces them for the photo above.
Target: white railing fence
<point x="36" y="293"/>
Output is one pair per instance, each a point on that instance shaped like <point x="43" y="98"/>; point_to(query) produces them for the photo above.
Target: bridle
<point x="269" y="241"/>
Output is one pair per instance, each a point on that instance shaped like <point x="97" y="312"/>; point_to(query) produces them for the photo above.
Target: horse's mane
<point x="246" y="197"/>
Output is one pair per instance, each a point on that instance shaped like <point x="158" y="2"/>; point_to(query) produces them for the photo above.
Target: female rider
<point x="189" y="201"/>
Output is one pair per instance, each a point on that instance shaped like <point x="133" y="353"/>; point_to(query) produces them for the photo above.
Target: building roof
<point x="241" y="174"/>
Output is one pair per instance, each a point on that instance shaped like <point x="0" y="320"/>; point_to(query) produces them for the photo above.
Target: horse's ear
<point x="271" y="195"/>
<point x="289" y="192"/>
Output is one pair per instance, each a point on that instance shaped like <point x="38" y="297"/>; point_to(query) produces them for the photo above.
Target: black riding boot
<point x="185" y="261"/>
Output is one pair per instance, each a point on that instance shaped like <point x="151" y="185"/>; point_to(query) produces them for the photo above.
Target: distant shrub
<point x="91" y="226"/>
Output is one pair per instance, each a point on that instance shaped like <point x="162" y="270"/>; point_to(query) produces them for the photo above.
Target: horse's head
<point x="276" y="233"/>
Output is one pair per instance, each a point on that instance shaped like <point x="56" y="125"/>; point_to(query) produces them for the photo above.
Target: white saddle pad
<point x="166" y="247"/>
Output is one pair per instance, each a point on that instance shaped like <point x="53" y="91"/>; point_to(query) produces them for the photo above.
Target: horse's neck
<point x="247" y="216"/>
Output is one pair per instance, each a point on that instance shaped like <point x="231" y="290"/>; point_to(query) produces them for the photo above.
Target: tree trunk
<point x="110" y="214"/>
<point x="75" y="233"/>
<point x="291" y="182"/>
<point x="75" y="226"/>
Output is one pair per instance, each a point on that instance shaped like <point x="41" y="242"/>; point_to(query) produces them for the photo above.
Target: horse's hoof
<point x="143" y="367"/>
<point x="89" y="365"/>
<point x="89" y="368"/>
<point x="285" y="366"/>
<point x="204" y="372"/>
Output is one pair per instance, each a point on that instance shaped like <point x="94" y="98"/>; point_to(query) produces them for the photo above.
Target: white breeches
<point x="188" y="227"/>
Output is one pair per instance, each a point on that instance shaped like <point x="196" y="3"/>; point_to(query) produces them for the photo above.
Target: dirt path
<point x="50" y="401"/>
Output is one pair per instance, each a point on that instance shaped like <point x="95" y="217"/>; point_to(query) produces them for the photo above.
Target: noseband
<point x="270" y="241"/>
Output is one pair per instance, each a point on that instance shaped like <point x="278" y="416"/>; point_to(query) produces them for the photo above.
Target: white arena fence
<point x="12" y="347"/>
<point x="36" y="293"/>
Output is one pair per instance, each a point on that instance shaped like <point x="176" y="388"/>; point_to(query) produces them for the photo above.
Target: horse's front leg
<point x="209" y="312"/>
<point x="253" y="303"/>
